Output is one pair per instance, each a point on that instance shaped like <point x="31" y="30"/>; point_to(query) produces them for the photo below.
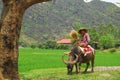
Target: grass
<point x="41" y="64"/>
<point x="60" y="74"/>
<point x="30" y="59"/>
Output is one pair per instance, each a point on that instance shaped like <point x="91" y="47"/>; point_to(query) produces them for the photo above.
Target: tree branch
<point x="7" y="2"/>
<point x="31" y="2"/>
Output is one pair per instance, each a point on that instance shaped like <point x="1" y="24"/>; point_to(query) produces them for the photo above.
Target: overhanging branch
<point x="31" y="2"/>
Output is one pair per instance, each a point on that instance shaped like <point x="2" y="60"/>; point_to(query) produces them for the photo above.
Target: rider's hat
<point x="82" y="29"/>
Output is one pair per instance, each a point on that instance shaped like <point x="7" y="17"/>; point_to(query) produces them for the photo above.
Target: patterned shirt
<point x="85" y="39"/>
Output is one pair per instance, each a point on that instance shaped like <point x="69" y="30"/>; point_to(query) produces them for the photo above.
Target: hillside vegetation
<point x="52" y="21"/>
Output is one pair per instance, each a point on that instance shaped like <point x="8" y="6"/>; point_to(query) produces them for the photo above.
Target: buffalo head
<point x="70" y="63"/>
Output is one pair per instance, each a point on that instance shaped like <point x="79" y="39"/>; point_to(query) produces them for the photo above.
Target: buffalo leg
<point x="77" y="68"/>
<point x="87" y="65"/>
<point x="92" y="63"/>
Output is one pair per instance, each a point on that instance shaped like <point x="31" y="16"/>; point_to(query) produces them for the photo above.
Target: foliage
<point x="107" y="41"/>
<point x="42" y="22"/>
<point x="113" y="50"/>
<point x="49" y="45"/>
<point x="62" y="46"/>
<point x="117" y="43"/>
<point x="52" y="45"/>
<point x="33" y="46"/>
<point x="106" y="34"/>
<point x="77" y="26"/>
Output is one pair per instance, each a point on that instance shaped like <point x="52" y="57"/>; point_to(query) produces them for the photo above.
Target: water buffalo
<point x="76" y="57"/>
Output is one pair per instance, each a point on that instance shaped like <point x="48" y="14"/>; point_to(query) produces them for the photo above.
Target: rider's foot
<point x="67" y="53"/>
<point x="85" y="54"/>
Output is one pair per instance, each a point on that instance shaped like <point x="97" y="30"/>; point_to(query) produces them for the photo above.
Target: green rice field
<point x="42" y="64"/>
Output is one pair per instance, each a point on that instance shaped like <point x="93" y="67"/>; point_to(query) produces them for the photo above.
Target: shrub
<point x="107" y="41"/>
<point x="62" y="46"/>
<point x="112" y="50"/>
<point x="33" y="46"/>
<point x="52" y="45"/>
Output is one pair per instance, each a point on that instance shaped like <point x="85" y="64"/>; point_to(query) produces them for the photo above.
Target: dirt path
<point x="104" y="68"/>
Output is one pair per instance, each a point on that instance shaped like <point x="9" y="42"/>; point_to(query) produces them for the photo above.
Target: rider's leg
<point x="92" y="48"/>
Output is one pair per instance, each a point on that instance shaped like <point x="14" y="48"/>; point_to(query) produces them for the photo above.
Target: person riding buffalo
<point x="81" y="51"/>
<point x="83" y="42"/>
<point x="85" y="39"/>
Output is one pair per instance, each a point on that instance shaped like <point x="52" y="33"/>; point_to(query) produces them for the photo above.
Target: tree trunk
<point x="10" y="26"/>
<point x="9" y="35"/>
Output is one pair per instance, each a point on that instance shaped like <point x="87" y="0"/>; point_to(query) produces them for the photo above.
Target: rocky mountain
<point x="53" y="20"/>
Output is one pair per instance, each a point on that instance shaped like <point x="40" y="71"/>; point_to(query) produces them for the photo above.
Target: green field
<point x="47" y="65"/>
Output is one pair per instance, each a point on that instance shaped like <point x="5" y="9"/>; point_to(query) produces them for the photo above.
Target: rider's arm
<point x="88" y="38"/>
